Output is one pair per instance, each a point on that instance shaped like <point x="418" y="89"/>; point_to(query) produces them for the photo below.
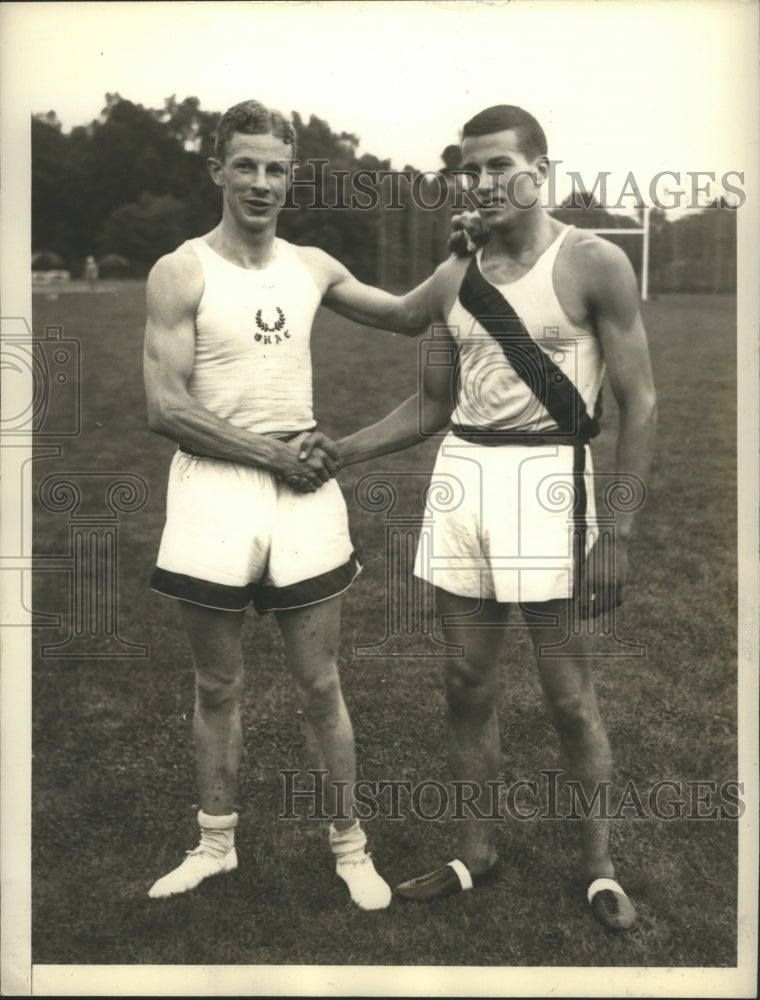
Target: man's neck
<point x="529" y="234"/>
<point x="243" y="247"/>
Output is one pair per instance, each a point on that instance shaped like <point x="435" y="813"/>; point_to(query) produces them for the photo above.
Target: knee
<point x="217" y="690"/>
<point x="471" y="688"/>
<point x="319" y="695"/>
<point x="574" y="715"/>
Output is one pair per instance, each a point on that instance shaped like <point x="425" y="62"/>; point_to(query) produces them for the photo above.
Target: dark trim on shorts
<point x="196" y="591"/>
<point x="492" y="438"/>
<point x="306" y="592"/>
<point x="265" y="599"/>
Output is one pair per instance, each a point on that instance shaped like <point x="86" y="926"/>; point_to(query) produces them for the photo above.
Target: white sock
<point x="217" y="833"/>
<point x="342" y="842"/>
<point x="368" y="890"/>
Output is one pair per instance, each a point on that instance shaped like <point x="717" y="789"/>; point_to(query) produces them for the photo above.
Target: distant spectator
<point x="452" y="157"/>
<point x="91" y="272"/>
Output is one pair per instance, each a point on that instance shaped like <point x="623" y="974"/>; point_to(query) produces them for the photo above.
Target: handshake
<point x="309" y="461"/>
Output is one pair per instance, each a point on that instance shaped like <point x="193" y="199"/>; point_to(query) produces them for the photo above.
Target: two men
<point x="228" y="377"/>
<point x="529" y="323"/>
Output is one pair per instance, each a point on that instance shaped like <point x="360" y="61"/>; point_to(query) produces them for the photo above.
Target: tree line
<point x="133" y="184"/>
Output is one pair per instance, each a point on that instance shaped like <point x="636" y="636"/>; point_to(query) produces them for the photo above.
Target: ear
<point x="292" y="171"/>
<point x="215" y="169"/>
<point x="541" y="170"/>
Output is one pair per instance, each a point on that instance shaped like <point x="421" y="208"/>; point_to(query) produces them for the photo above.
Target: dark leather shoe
<point x="610" y="905"/>
<point x="452" y="878"/>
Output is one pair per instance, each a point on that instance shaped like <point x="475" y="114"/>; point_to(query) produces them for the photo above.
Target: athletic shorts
<point x="234" y="534"/>
<point x="510" y="523"/>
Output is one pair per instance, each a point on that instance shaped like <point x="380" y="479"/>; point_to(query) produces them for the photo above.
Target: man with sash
<point x="524" y="331"/>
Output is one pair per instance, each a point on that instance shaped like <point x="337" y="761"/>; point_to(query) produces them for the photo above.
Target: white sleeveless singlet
<point x="252" y="356"/>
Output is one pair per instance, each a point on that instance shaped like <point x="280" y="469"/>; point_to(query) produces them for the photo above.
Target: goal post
<point x="643" y="232"/>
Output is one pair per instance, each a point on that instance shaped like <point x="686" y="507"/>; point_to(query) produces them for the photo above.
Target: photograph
<point x="379" y="458"/>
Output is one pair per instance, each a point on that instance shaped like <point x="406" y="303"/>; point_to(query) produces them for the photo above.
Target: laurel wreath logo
<point x="276" y="326"/>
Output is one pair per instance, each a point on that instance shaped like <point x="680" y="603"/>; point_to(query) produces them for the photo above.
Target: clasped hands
<point x="313" y="459"/>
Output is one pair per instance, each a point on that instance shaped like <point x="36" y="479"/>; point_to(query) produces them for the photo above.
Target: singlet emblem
<point x="271" y="334"/>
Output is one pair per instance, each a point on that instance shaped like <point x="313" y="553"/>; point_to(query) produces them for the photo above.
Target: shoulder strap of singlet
<point x="553" y="249"/>
<point x="205" y="254"/>
<point x="547" y="258"/>
<point x="545" y="263"/>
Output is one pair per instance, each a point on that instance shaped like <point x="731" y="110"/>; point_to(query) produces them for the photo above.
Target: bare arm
<point x="429" y="409"/>
<point x="344" y="294"/>
<point x="614" y="305"/>
<point x="613" y="302"/>
<point x="175" y="286"/>
<point x="416" y="419"/>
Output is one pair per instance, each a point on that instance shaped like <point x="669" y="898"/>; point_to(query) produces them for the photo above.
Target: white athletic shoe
<point x="194" y="869"/>
<point x="368" y="890"/>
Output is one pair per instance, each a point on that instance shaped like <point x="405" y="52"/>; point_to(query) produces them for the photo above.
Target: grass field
<point x="113" y="776"/>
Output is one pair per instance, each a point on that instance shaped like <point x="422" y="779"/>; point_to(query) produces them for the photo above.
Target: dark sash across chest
<point x="546" y="380"/>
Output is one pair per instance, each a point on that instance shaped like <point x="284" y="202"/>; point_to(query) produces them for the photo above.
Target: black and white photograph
<point x="379" y="465"/>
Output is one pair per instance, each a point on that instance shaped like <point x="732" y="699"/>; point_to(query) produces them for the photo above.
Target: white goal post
<point x="643" y="232"/>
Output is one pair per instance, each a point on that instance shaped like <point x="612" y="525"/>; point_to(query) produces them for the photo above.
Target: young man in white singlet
<point x="228" y="377"/>
<point x="532" y="320"/>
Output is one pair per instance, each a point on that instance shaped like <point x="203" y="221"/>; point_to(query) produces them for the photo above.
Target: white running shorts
<point x="234" y="534"/>
<point x="511" y="523"/>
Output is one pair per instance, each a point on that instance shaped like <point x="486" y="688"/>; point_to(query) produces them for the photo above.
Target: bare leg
<point x="472" y="685"/>
<point x="217" y="655"/>
<point x="313" y="749"/>
<point x="571" y="701"/>
<point x="311" y="641"/>
<point x="215" y="643"/>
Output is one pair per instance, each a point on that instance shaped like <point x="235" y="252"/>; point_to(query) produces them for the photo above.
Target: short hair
<point x="252" y="118"/>
<point x="501" y="117"/>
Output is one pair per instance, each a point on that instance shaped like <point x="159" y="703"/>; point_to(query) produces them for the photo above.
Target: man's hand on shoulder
<point x="469" y="233"/>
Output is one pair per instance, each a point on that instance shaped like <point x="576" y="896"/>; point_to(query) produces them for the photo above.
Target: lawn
<point x="113" y="778"/>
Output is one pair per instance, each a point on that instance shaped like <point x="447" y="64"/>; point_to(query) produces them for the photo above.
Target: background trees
<point x="134" y="183"/>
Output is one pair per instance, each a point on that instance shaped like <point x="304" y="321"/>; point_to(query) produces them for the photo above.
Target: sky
<point x="618" y="85"/>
